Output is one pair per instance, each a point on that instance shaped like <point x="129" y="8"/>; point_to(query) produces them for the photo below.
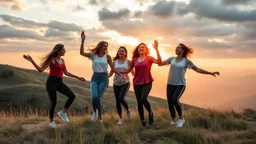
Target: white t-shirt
<point x="99" y="64"/>
<point x="177" y="70"/>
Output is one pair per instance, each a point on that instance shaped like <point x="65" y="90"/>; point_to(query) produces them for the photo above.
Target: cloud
<point x="106" y="14"/>
<point x="93" y="2"/>
<point x="211" y="9"/>
<point x="78" y="8"/>
<point x="64" y="26"/>
<point x="9" y="32"/>
<point x="138" y="14"/>
<point x="20" y="22"/>
<point x="166" y="9"/>
<point x="15" y="5"/>
<point x="236" y="2"/>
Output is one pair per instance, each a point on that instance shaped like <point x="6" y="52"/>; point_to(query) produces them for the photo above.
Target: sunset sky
<point x="222" y="33"/>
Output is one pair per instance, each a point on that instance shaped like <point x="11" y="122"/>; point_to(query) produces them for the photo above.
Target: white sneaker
<point x="180" y="122"/>
<point x="173" y="123"/>
<point x="120" y="121"/>
<point x="94" y="116"/>
<point x="63" y="116"/>
<point x="100" y="120"/>
<point x="129" y="116"/>
<point x="52" y="125"/>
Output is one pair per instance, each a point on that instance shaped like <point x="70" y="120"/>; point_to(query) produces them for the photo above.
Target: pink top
<point x="57" y="69"/>
<point x="142" y="70"/>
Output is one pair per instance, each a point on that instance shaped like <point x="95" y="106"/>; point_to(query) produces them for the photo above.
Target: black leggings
<point x="174" y="93"/>
<point x="141" y="92"/>
<point x="54" y="84"/>
<point x="120" y="93"/>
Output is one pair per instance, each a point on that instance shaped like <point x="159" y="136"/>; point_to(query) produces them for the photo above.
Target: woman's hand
<point x="81" y="79"/>
<point x="83" y="36"/>
<point x="215" y="73"/>
<point x="155" y="45"/>
<point x="28" y="57"/>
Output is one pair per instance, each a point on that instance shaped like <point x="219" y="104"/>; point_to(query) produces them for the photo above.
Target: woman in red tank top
<point x="54" y="82"/>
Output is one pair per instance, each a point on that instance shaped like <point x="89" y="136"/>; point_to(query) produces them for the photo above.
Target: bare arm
<point x="82" y="47"/>
<point x="30" y="59"/>
<point x="195" y="68"/>
<point x="72" y="75"/>
<point x="111" y="71"/>
<point x="159" y="59"/>
<point x="111" y="65"/>
<point x="132" y="71"/>
<point x="163" y="63"/>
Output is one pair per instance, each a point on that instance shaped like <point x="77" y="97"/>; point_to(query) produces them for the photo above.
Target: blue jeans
<point x="98" y="85"/>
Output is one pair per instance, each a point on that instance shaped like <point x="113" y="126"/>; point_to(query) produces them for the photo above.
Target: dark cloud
<point x="64" y="26"/>
<point x="138" y="14"/>
<point x="20" y="22"/>
<point x="93" y="2"/>
<point x="9" y="32"/>
<point x="168" y="8"/>
<point x="78" y="8"/>
<point x="236" y="2"/>
<point x="202" y="8"/>
<point x="212" y="9"/>
<point x="49" y="33"/>
<point x="106" y="14"/>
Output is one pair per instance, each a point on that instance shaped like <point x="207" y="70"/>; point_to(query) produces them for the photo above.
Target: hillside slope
<point x="19" y="87"/>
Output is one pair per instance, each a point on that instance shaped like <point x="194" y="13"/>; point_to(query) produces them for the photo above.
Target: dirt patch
<point x="32" y="127"/>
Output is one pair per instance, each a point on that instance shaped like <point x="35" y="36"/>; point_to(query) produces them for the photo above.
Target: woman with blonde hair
<point x="99" y="81"/>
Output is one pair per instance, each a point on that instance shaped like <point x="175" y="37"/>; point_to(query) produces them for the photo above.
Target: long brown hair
<point x="99" y="46"/>
<point x="136" y="53"/>
<point x="54" y="53"/>
<point x="187" y="50"/>
<point x="117" y="56"/>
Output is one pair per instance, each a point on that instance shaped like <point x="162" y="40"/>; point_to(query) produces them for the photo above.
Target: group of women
<point x="140" y="68"/>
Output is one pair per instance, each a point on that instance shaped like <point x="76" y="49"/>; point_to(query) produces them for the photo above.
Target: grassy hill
<point x="22" y="87"/>
<point x="23" y="118"/>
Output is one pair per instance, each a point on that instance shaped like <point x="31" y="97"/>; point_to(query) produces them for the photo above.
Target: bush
<point x="6" y="73"/>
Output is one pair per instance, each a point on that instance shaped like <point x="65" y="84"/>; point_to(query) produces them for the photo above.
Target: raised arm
<point x="159" y="59"/>
<point x="83" y="36"/>
<point x="70" y="74"/>
<point x="30" y="59"/>
<point x="201" y="71"/>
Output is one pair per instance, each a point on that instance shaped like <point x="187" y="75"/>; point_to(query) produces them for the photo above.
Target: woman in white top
<point x="176" y="80"/>
<point x="99" y="81"/>
<point x="121" y="83"/>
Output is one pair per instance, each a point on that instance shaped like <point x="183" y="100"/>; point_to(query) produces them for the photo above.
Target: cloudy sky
<point x="222" y="33"/>
<point x="218" y="28"/>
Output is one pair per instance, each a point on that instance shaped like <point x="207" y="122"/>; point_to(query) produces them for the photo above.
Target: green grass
<point x="208" y="130"/>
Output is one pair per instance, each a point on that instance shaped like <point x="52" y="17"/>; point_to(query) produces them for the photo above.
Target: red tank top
<point x="57" y="69"/>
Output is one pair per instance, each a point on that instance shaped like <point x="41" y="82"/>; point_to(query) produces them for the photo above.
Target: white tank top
<point x="124" y="78"/>
<point x="99" y="64"/>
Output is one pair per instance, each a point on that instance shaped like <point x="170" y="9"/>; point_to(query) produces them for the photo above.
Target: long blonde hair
<point x="99" y="46"/>
<point x="54" y="53"/>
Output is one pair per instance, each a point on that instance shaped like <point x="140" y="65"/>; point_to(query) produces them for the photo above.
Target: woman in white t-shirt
<point x="121" y="83"/>
<point x="99" y="81"/>
<point x="176" y="80"/>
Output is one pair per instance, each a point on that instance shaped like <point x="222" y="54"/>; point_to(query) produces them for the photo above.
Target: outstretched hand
<point x="155" y="45"/>
<point x="28" y="57"/>
<point x="83" y="36"/>
<point x="215" y="74"/>
<point x="81" y="79"/>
